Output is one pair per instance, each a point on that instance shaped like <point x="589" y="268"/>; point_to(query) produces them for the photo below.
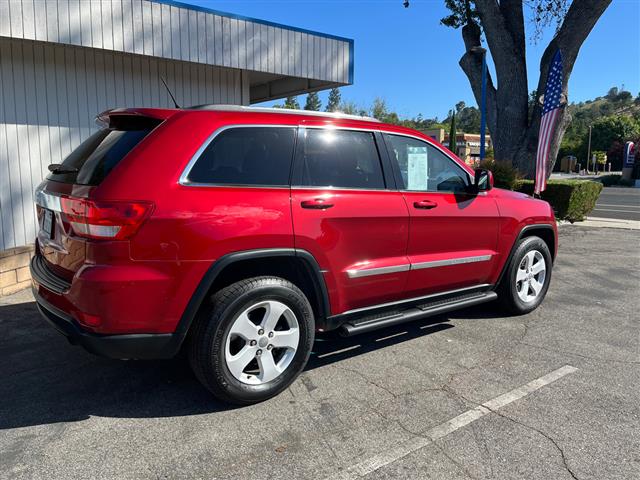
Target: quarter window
<point x="341" y="158"/>
<point x="247" y="156"/>
<point x="423" y="167"/>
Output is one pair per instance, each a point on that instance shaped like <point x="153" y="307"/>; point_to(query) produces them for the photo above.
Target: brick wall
<point x="14" y="269"/>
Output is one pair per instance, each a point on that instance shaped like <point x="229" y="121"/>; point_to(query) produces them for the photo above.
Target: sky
<point x="406" y="57"/>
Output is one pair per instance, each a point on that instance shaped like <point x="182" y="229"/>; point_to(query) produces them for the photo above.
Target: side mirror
<point x="483" y="180"/>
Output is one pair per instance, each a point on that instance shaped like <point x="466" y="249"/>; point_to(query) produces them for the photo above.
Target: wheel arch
<point x="543" y="230"/>
<point x="295" y="265"/>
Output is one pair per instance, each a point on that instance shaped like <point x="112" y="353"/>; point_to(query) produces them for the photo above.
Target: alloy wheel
<point x="262" y="342"/>
<point x="531" y="276"/>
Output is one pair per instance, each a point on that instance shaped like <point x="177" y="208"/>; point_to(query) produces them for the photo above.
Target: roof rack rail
<point x="243" y="108"/>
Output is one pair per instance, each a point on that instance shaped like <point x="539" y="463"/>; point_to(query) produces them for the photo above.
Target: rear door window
<point x="257" y="156"/>
<point x="341" y="158"/>
<point x="92" y="161"/>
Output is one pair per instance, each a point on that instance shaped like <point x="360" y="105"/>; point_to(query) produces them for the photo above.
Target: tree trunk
<point x="525" y="158"/>
<point x="514" y="134"/>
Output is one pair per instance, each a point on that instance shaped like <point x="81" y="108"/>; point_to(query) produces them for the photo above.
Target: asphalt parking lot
<point x="551" y="395"/>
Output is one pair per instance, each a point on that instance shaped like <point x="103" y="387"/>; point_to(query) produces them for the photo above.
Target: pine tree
<point x="313" y="102"/>
<point x="292" y="103"/>
<point x="333" y="104"/>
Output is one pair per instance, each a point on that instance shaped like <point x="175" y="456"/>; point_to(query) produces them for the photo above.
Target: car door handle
<point x="425" y="204"/>
<point x="316" y="204"/>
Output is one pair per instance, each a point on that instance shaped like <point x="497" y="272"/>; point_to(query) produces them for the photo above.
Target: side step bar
<point x="363" y="325"/>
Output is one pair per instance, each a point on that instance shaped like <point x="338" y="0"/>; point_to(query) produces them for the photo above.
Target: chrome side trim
<point x="184" y="177"/>
<point x="415" y="299"/>
<point x="450" y="261"/>
<point x="366" y="272"/>
<point x="48" y="200"/>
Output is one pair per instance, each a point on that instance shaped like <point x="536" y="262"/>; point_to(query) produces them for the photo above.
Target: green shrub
<point x="570" y="199"/>
<point x="614" y="180"/>
<point x="608" y="180"/>
<point x="504" y="175"/>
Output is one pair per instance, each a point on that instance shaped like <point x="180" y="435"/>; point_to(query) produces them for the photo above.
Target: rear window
<point x="92" y="161"/>
<point x="258" y="156"/>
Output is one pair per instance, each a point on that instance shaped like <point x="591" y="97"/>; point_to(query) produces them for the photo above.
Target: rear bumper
<point x="130" y="346"/>
<point x="135" y="297"/>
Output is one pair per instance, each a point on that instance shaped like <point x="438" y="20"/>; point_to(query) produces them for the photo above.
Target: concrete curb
<point x="608" y="223"/>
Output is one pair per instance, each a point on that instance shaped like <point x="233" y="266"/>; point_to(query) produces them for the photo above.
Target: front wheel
<point x="253" y="340"/>
<point x="527" y="277"/>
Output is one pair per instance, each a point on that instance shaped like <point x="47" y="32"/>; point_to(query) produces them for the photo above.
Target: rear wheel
<point x="527" y="277"/>
<point x="253" y="339"/>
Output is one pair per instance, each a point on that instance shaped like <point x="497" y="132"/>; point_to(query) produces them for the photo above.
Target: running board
<point x="368" y="324"/>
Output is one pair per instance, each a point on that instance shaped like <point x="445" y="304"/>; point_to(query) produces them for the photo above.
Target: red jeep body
<point x="125" y="263"/>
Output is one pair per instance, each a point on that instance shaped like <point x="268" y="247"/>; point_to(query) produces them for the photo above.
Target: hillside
<point x="615" y="119"/>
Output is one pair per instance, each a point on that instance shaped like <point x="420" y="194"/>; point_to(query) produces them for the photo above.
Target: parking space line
<point x="378" y="461"/>
<point x="382" y="339"/>
<point x="336" y="352"/>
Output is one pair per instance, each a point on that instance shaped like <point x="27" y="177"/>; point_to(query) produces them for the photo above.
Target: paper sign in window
<point x="418" y="162"/>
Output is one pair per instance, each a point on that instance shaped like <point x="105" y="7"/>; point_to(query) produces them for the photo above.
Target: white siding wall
<point x="50" y="95"/>
<point x="167" y="31"/>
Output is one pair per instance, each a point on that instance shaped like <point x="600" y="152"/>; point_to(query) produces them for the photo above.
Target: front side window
<point x="246" y="156"/>
<point x="341" y="158"/>
<point x="423" y="167"/>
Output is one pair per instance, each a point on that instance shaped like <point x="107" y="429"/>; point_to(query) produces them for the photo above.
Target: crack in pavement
<point x="382" y="387"/>
<point x="502" y="355"/>
<point x="529" y="427"/>
<point x="403" y="427"/>
<point x="548" y="437"/>
<point x="420" y="435"/>
<point x="367" y="379"/>
<point x="485" y="447"/>
<point x="447" y="389"/>
<point x="443" y="388"/>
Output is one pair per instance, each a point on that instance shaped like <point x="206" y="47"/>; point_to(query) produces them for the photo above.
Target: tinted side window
<point x="423" y="167"/>
<point x="247" y="156"/>
<point x="341" y="158"/>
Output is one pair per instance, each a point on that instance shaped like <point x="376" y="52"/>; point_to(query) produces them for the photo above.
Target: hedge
<point x="504" y="175"/>
<point x="614" y="180"/>
<point x="571" y="199"/>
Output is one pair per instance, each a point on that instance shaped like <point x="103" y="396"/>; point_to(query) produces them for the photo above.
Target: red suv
<point x="238" y="233"/>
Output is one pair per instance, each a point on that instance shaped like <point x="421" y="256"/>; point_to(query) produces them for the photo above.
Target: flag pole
<point x="479" y="50"/>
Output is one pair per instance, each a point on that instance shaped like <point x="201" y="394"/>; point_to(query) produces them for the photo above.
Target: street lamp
<point x="589" y="153"/>
<point x="478" y="50"/>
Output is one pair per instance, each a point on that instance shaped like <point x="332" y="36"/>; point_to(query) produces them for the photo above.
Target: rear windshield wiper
<point x="59" y="168"/>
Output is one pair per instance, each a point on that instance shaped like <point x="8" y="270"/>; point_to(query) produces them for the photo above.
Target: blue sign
<point x="629" y="157"/>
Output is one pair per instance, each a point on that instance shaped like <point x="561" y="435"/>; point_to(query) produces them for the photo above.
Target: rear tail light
<point x="104" y="220"/>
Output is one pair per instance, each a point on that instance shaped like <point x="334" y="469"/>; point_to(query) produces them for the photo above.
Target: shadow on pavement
<point x="43" y="379"/>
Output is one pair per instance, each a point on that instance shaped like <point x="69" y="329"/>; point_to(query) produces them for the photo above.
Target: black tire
<point x="209" y="334"/>
<point x="507" y="291"/>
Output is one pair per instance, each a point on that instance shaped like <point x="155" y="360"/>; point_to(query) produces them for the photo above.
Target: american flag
<point x="550" y="110"/>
